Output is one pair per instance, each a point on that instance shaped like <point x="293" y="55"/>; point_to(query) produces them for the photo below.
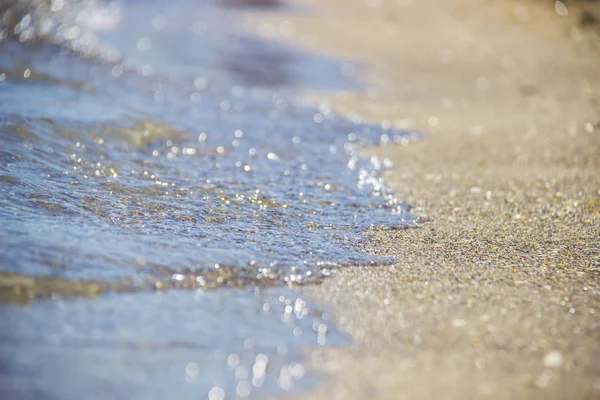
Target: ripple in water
<point x="184" y="164"/>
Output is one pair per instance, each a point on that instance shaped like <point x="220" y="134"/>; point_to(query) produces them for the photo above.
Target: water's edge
<point x="162" y="187"/>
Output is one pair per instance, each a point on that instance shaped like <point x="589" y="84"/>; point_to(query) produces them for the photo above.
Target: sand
<point x="497" y="294"/>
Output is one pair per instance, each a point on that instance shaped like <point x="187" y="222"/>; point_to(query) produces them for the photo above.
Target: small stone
<point x="553" y="359"/>
<point x="459" y="323"/>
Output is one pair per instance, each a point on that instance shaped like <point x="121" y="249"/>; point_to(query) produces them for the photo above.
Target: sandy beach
<point x="497" y="294"/>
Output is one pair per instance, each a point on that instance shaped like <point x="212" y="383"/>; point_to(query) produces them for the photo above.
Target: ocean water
<point x="230" y="343"/>
<point x="158" y="145"/>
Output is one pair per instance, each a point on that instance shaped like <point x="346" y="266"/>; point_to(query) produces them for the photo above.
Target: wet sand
<point x="497" y="295"/>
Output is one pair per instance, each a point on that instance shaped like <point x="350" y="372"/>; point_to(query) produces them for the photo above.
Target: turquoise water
<point x="160" y="145"/>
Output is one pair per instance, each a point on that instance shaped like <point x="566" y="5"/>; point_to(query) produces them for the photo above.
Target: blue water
<point x="160" y="345"/>
<point x="166" y="150"/>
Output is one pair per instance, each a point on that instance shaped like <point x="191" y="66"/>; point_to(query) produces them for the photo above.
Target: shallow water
<point x="187" y="164"/>
<point x="182" y="345"/>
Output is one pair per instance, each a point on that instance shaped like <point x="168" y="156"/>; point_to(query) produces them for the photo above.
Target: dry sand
<point x="497" y="295"/>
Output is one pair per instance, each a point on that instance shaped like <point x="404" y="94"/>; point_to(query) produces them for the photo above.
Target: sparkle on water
<point x="183" y="164"/>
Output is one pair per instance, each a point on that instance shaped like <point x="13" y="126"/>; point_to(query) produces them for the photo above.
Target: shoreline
<point x="498" y="294"/>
